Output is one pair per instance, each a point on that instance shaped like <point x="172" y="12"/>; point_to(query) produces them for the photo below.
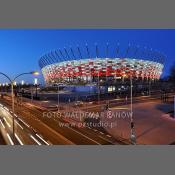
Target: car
<point x="91" y="102"/>
<point x="78" y="103"/>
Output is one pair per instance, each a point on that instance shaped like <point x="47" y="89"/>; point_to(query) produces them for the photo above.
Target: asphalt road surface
<point x="54" y="133"/>
<point x="2" y="141"/>
<point x="32" y="128"/>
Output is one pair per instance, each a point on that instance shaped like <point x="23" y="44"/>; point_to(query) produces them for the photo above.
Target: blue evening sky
<point x="20" y="50"/>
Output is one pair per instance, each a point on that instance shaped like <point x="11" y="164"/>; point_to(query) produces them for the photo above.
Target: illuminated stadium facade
<point x="83" y="65"/>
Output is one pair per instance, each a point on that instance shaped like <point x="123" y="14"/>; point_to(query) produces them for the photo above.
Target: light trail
<point x="2" y="124"/>
<point x="42" y="139"/>
<point x="119" y="108"/>
<point x="35" y="140"/>
<point x="24" y="123"/>
<point x="19" y="125"/>
<point x="6" y="108"/>
<point x="18" y="139"/>
<point x="7" y="123"/>
<point x="11" y="142"/>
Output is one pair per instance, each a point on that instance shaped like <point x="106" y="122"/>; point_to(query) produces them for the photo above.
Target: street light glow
<point x="35" y="81"/>
<point x="22" y="82"/>
<point x="35" y="72"/>
<point x="15" y="83"/>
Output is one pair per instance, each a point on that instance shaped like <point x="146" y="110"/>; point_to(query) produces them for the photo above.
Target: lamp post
<point x="58" y="96"/>
<point x="98" y="87"/>
<point x="133" y="137"/>
<point x="36" y="87"/>
<point x="12" y="81"/>
<point x="22" y="82"/>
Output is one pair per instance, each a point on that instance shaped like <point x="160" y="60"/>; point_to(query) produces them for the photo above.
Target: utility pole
<point x="13" y="108"/>
<point x="133" y="137"/>
<point x="58" y="97"/>
<point x="98" y="88"/>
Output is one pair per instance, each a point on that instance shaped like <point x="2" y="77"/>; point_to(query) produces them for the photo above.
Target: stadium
<point x="92" y="64"/>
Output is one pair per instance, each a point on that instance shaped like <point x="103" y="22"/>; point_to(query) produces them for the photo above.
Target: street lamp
<point x="58" y="97"/>
<point x="98" y="87"/>
<point x="34" y="73"/>
<point x="12" y="93"/>
<point x="22" y="82"/>
<point x="133" y="137"/>
<point x="36" y="87"/>
<point x="15" y="83"/>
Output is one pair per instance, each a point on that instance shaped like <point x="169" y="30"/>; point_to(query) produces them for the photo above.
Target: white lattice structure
<point x="102" y="67"/>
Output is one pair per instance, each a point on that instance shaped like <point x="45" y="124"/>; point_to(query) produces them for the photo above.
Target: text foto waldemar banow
<point x="95" y="115"/>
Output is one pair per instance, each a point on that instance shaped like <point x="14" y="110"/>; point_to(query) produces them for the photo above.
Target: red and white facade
<point x="85" y="69"/>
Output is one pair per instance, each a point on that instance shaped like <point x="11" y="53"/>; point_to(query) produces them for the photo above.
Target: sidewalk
<point x="152" y="124"/>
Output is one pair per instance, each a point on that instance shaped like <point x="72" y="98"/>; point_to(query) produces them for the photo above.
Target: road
<point x="51" y="130"/>
<point x="123" y="101"/>
<point x="24" y="135"/>
<point x="2" y="141"/>
<point x="32" y="128"/>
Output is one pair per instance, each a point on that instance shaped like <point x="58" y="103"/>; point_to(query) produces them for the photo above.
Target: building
<point x="82" y="66"/>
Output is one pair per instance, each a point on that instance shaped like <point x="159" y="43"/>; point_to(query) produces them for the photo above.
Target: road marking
<point x="42" y="139"/>
<point x="108" y="136"/>
<point x="7" y="122"/>
<point x="15" y="115"/>
<point x="95" y="130"/>
<point x="35" y="140"/>
<point x="24" y="122"/>
<point x="106" y="139"/>
<point x="18" y="139"/>
<point x="19" y="125"/>
<point x="2" y="124"/>
<point x="6" y="108"/>
<point x="102" y="133"/>
<point x="49" y="142"/>
<point x="11" y="142"/>
<point x="119" y="108"/>
<point x="51" y="130"/>
<point x="34" y="130"/>
<point x="56" y="133"/>
<point x="85" y="136"/>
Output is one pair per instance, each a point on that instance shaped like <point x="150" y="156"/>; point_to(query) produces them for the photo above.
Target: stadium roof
<point x="93" y="52"/>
